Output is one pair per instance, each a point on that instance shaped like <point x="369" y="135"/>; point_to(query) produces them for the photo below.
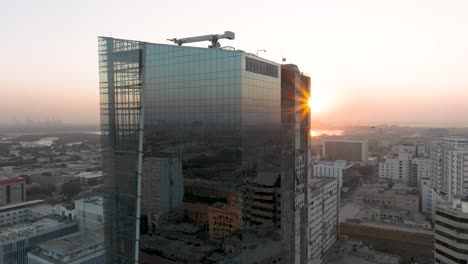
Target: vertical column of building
<point x="295" y="119"/>
<point x="120" y="68"/>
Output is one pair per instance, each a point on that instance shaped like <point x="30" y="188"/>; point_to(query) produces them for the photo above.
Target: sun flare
<point x="318" y="104"/>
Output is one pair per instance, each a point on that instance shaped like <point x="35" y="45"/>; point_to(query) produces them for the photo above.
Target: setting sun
<point x="313" y="133"/>
<point x="318" y="104"/>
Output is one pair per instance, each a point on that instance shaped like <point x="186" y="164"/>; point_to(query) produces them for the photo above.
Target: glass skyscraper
<point x="204" y="146"/>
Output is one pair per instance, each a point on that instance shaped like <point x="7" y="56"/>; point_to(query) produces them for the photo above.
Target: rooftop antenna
<point x="213" y="38"/>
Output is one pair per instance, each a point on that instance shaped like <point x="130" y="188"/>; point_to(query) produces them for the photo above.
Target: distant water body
<point x="319" y="132"/>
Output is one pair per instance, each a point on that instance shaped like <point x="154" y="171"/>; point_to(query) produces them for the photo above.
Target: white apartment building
<point x="337" y="169"/>
<point x="458" y="172"/>
<point x="323" y="211"/>
<point x="396" y="166"/>
<point x="451" y="232"/>
<point x="440" y="154"/>
<point x="420" y="168"/>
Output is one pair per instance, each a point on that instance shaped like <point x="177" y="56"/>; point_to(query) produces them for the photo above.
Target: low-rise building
<point x="12" y="190"/>
<point x="17" y="240"/>
<point x="197" y="213"/>
<point x="397" y="197"/>
<point x="407" y="234"/>
<point x="88" y="178"/>
<point x="348" y="251"/>
<point x="25" y="211"/>
<point x="338" y="169"/>
<point x="84" y="247"/>
<point x="224" y="220"/>
<point x="89" y="212"/>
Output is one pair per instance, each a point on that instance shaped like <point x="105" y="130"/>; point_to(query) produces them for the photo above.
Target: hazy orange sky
<point x="370" y="60"/>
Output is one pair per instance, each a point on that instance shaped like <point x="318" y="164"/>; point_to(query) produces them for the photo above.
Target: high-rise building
<point x="396" y="166"/>
<point x="420" y="168"/>
<point x="451" y="228"/>
<point x="441" y="158"/>
<point x="295" y="164"/>
<point x="346" y="149"/>
<point x="222" y="113"/>
<point x="162" y="190"/>
<point x="458" y="171"/>
<point x="322" y="225"/>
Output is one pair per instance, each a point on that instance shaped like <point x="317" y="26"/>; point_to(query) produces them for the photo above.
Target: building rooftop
<point x="90" y="175"/>
<point x="354" y="252"/>
<point x="96" y="200"/>
<point x="459" y="204"/>
<point x="27" y="228"/>
<point x="318" y="182"/>
<point x="73" y="246"/>
<point x="20" y="205"/>
<point x="365" y="214"/>
<point x="343" y="164"/>
<point x="255" y="248"/>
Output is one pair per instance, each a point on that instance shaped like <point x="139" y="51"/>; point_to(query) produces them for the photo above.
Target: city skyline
<point x="368" y="61"/>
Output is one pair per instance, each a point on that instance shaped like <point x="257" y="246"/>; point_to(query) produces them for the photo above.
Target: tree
<point x="71" y="188"/>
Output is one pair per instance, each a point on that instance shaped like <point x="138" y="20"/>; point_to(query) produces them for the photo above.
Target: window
<point x="260" y="67"/>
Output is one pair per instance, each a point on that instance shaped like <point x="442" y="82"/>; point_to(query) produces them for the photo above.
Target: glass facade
<point x="224" y="129"/>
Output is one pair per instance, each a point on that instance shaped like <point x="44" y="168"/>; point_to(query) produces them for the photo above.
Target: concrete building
<point x="12" y="190"/>
<point x="162" y="190"/>
<point x="409" y="148"/>
<point x="224" y="220"/>
<point x="348" y="251"/>
<point x="338" y="169"/>
<point x="420" y="168"/>
<point x="346" y="149"/>
<point x="295" y="161"/>
<point x="17" y="240"/>
<point x="89" y="212"/>
<point x="263" y="247"/>
<point x="458" y="171"/>
<point x="85" y="247"/>
<point x="197" y="213"/>
<point x="403" y="198"/>
<point x="88" y="178"/>
<point x="440" y="154"/>
<point x="396" y="166"/>
<point x="261" y="200"/>
<point x="451" y="229"/>
<point x="25" y="211"/>
<point x="217" y="110"/>
<point x="322" y="226"/>
<point x="426" y="192"/>
<point x="399" y="231"/>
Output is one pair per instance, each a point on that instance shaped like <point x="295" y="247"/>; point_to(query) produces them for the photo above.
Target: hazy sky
<point x="370" y="60"/>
